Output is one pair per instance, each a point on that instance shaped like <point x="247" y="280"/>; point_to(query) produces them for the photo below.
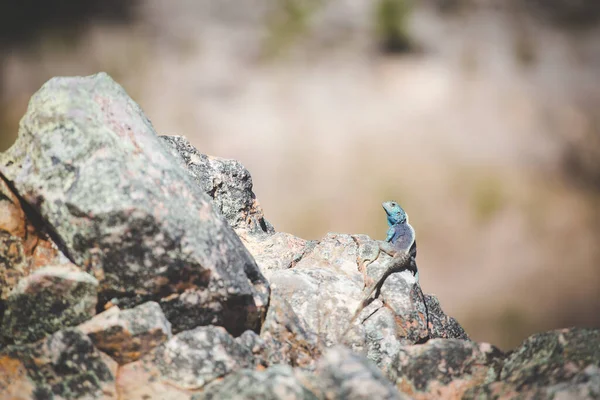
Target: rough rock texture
<point x="287" y="340"/>
<point x="444" y="368"/>
<point x="127" y="335"/>
<point x="63" y="366"/>
<point x="342" y="374"/>
<point x="23" y="247"/>
<point x="188" y="361"/>
<point x="441" y="325"/>
<point x="228" y="184"/>
<point x="560" y="364"/>
<point x="49" y="299"/>
<point x="122" y="207"/>
<point x="277" y="382"/>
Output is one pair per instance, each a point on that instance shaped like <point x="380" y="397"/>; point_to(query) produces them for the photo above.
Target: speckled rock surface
<point x="127" y="335"/>
<point x="444" y="368"/>
<point x="228" y="184"/>
<point x="342" y="374"/>
<point x="188" y="361"/>
<point x="561" y="364"/>
<point x="287" y="340"/>
<point x="441" y="325"/>
<point x="49" y="299"/>
<point x="88" y="161"/>
<point x="63" y="366"/>
<point x="275" y="383"/>
<point x="23" y="247"/>
<point x="278" y="251"/>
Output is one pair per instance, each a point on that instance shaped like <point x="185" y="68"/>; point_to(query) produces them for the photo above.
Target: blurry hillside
<point x="479" y="116"/>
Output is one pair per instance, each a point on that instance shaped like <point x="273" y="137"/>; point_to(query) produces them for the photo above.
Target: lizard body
<point x="401" y="245"/>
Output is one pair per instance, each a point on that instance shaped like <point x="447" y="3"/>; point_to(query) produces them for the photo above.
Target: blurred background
<point x="481" y="117"/>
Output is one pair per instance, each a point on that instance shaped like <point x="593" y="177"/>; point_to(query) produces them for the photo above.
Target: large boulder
<point x="120" y="206"/>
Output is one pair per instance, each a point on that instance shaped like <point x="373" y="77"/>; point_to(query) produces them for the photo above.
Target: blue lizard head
<point x="395" y="213"/>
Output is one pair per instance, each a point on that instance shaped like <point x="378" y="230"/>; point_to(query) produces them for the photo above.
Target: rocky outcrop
<point x="134" y="267"/>
<point x="89" y="164"/>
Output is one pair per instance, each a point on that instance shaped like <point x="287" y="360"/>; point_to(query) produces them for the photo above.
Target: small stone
<point x="127" y="335"/>
<point x="51" y="298"/>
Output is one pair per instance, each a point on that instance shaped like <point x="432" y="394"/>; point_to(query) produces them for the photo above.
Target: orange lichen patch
<point x="12" y="216"/>
<point x="14" y="381"/>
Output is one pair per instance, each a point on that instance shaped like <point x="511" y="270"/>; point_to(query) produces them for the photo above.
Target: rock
<point x="326" y="284"/>
<point x="342" y="374"/>
<point x="188" y="361"/>
<point x="287" y="339"/>
<point x="228" y="184"/>
<point x="62" y="366"/>
<point x="23" y="248"/>
<point x="277" y="382"/>
<point x="441" y="325"/>
<point x="49" y="299"/>
<point x="127" y="335"/>
<point x="278" y="251"/>
<point x="88" y="161"/>
<point x="558" y="364"/>
<point x="257" y="346"/>
<point x="444" y="368"/>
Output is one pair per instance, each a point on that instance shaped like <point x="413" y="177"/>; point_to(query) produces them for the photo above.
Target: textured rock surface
<point x="188" y="361"/>
<point x="126" y="335"/>
<point x="49" y="299"/>
<point x="342" y="374"/>
<point x="23" y="248"/>
<point x="558" y="364"/>
<point x="441" y="325"/>
<point x="121" y="206"/>
<point x="286" y="338"/>
<point x="63" y="366"/>
<point x="228" y="184"/>
<point x="444" y="368"/>
<point x="277" y="382"/>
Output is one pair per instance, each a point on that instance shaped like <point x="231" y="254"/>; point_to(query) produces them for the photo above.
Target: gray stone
<point x="51" y="298"/>
<point x="342" y="374"/>
<point x="228" y="184"/>
<point x="127" y="335"/>
<point x="63" y="366"/>
<point x="557" y="364"/>
<point x="121" y="206"/>
<point x="444" y="368"/>
<point x="189" y="360"/>
<point x="441" y="325"/>
<point x="287" y="339"/>
<point x="275" y="383"/>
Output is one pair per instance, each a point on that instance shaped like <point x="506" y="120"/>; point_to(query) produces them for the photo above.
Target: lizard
<point x="400" y="244"/>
